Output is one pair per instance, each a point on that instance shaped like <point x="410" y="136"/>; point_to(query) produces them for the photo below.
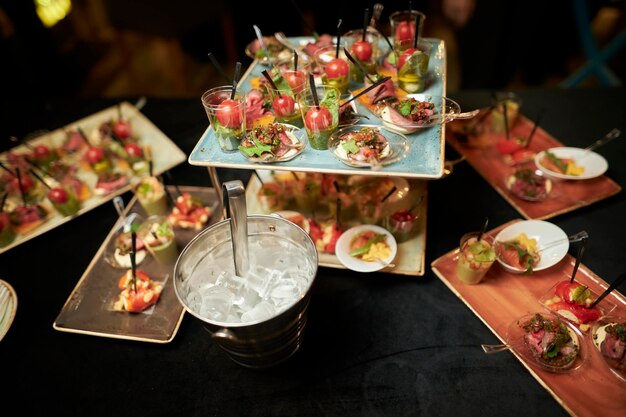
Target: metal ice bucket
<point x="258" y="344"/>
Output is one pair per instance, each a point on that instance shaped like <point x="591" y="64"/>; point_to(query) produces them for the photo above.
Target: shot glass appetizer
<point x="509" y="102"/>
<point x="157" y="234"/>
<point x="412" y="66"/>
<point x="321" y="116"/>
<point x="226" y="115"/>
<point x="151" y="195"/>
<point x="334" y="67"/>
<point x="475" y="258"/>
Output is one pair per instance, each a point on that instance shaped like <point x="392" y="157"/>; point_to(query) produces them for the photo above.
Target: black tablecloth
<point x="376" y="344"/>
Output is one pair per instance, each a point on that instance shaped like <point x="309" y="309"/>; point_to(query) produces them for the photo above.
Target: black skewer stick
<point x="258" y="177"/>
<point x="393" y="190"/>
<point x="316" y="99"/>
<point x="379" y="29"/>
<point x="371" y="87"/>
<point x="336" y="185"/>
<point x="338" y="38"/>
<point x="365" y="22"/>
<point x="535" y="126"/>
<point x="133" y="260"/>
<point x="235" y="80"/>
<point x="611" y="287"/>
<point x="579" y="256"/>
<point x="295" y="60"/>
<point x="338" y="214"/>
<point x="36" y="165"/>
<point x="269" y="79"/>
<point x="506" y="120"/>
<point x="293" y="174"/>
<point x="218" y="67"/>
<point x="34" y="174"/>
<point x="7" y="169"/>
<point x="356" y="64"/>
<point x="416" y="35"/>
<point x="84" y="136"/>
<point x="119" y="112"/>
<point x="19" y="185"/>
<point x="2" y="201"/>
<point x="482" y="231"/>
<point x="170" y="178"/>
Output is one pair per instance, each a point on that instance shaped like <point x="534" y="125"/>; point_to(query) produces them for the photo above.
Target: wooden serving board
<point x="481" y="153"/>
<point x="501" y="298"/>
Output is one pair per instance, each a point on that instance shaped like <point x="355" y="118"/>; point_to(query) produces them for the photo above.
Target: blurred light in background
<point x="52" y="11"/>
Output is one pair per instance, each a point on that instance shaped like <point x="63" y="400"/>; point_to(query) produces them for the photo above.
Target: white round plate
<point x="594" y="164"/>
<point x="547" y="234"/>
<point x="7" y="314"/>
<point x="342" y="249"/>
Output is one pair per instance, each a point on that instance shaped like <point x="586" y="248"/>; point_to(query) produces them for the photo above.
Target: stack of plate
<point x="8" y="307"/>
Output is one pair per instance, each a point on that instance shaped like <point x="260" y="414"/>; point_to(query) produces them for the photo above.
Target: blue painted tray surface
<point x="424" y="159"/>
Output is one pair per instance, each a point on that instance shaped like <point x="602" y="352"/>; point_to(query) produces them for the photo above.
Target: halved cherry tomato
<point x="362" y="50"/>
<point x="337" y="68"/>
<point x="283" y="105"/>
<point x="318" y="118"/>
<point x="229" y="114"/>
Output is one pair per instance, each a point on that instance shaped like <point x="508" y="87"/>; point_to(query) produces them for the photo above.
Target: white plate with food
<point x="368" y="146"/>
<point x="530" y="246"/>
<point x="366" y="248"/>
<point x="571" y="163"/>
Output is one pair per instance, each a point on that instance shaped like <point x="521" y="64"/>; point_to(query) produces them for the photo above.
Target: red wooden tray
<point x="481" y="153"/>
<point x="501" y="298"/>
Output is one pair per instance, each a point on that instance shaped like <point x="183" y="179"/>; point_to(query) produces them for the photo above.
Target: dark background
<point x="119" y="48"/>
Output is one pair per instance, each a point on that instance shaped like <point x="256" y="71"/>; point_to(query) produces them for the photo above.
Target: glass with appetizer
<point x="609" y="338"/>
<point x="226" y="115"/>
<point x="368" y="146"/>
<point x="475" y="257"/>
<point x="320" y="113"/>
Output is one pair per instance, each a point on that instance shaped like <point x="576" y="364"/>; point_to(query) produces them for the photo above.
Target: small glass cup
<point x="403" y="27"/>
<point x="285" y="101"/>
<point x="64" y="200"/>
<point x="512" y="103"/>
<point x="320" y="120"/>
<point x="226" y="116"/>
<point x="367" y="58"/>
<point x="305" y="66"/>
<point x="7" y="233"/>
<point x="402" y="224"/>
<point x="151" y="195"/>
<point x="323" y="57"/>
<point x="157" y="233"/>
<point x="412" y="74"/>
<point x="475" y="258"/>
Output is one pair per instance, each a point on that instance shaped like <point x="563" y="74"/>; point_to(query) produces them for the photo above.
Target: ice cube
<point x="262" y="311"/>
<point x="216" y="303"/>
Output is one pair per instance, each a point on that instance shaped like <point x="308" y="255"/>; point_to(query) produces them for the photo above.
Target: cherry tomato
<point x="228" y="114"/>
<point x="405" y="31"/>
<point x="362" y="50"/>
<point x="122" y="129"/>
<point x="405" y="55"/>
<point x="507" y="147"/>
<point x="284" y="105"/>
<point x="134" y="150"/>
<point x="95" y="155"/>
<point x="41" y="152"/>
<point x="27" y="183"/>
<point x="337" y="68"/>
<point x="5" y="220"/>
<point x="296" y="81"/>
<point x="58" y="195"/>
<point x="318" y="118"/>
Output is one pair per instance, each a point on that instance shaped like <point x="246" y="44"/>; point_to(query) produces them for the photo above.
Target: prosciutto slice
<point x="254" y="107"/>
<point x="385" y="90"/>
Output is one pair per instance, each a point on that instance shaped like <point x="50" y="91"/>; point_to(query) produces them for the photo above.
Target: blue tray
<point x="424" y="160"/>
